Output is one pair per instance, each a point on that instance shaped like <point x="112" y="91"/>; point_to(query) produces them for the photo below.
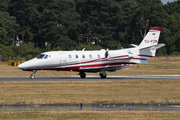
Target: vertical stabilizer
<point x="151" y="38"/>
<point x="148" y="45"/>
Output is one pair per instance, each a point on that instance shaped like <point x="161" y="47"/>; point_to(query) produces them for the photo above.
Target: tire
<point x="32" y="76"/>
<point x="83" y="75"/>
<point x="103" y="76"/>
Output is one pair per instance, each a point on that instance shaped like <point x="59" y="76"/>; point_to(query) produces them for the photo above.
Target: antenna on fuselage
<point x="83" y="49"/>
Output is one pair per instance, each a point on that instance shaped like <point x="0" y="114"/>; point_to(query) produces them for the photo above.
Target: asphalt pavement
<point x="92" y="107"/>
<point x="89" y="78"/>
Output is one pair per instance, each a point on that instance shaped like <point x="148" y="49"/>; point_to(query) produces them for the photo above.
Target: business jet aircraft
<point x="96" y="61"/>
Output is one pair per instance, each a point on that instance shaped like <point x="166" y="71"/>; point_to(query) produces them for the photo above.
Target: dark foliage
<point x="43" y="25"/>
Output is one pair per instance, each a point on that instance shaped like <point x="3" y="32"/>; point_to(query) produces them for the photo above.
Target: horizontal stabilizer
<point x="154" y="46"/>
<point x="159" y="45"/>
<point x="133" y="45"/>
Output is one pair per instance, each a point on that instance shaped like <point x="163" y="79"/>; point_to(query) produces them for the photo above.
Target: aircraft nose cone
<point x="23" y="65"/>
<point x="20" y="66"/>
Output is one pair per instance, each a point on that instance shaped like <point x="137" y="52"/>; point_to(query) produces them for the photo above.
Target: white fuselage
<point x="92" y="61"/>
<point x="96" y="61"/>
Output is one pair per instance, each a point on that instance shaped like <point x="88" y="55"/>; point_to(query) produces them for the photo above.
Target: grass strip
<point x="136" y="91"/>
<point x="90" y="115"/>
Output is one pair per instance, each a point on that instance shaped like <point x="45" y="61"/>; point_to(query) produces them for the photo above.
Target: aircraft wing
<point x="106" y="68"/>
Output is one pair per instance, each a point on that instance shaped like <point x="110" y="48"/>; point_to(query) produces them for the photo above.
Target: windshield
<point x="40" y="56"/>
<point x="46" y="57"/>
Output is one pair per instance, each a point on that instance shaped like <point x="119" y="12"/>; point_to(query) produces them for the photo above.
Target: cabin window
<point x="90" y="56"/>
<point x="46" y="57"/>
<point x="83" y="56"/>
<point x="76" y="56"/>
<point x="40" y="56"/>
<point x="49" y="55"/>
<point x="98" y="56"/>
<point x="70" y="56"/>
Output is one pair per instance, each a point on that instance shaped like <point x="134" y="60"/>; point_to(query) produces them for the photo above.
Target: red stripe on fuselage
<point x="145" y="55"/>
<point x="76" y="68"/>
<point x="95" y="66"/>
<point x="120" y="56"/>
<point x="139" y="58"/>
<point x="101" y="59"/>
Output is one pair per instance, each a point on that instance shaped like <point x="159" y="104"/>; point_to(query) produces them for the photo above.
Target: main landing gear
<point x="82" y="74"/>
<point x="102" y="74"/>
<point x="32" y="76"/>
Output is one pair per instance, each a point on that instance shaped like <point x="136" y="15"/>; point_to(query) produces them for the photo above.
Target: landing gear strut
<point x="102" y="74"/>
<point x="32" y="76"/>
<point x="82" y="74"/>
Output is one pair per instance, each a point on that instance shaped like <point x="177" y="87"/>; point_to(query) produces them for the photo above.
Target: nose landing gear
<point x="32" y="76"/>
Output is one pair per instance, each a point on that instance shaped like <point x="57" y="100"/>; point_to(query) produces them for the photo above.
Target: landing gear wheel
<point x="32" y="76"/>
<point x="82" y="75"/>
<point x="103" y="76"/>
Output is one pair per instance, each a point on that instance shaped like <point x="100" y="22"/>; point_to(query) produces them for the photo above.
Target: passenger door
<point x="63" y="58"/>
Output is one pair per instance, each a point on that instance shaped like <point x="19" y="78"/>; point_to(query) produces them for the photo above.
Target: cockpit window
<point x="46" y="57"/>
<point x="40" y="56"/>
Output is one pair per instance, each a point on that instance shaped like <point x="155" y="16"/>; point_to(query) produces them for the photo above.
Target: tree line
<point x="29" y="27"/>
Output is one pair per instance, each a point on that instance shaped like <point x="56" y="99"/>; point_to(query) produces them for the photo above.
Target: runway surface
<point x="93" y="107"/>
<point x="89" y="78"/>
